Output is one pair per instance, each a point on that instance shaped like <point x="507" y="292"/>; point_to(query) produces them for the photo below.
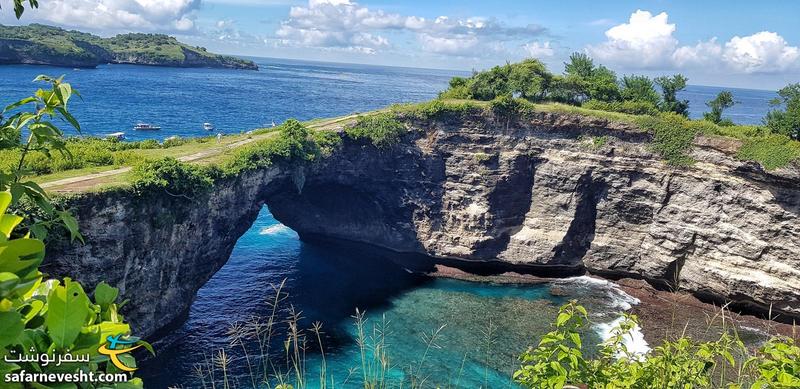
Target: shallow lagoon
<point x="327" y="284"/>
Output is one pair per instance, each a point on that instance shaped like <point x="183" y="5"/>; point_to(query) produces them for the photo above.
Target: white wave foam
<point x="633" y="341"/>
<point x="274" y="230"/>
<point x="616" y="297"/>
<point x="618" y="301"/>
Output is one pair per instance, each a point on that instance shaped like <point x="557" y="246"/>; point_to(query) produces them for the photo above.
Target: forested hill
<point x="47" y="45"/>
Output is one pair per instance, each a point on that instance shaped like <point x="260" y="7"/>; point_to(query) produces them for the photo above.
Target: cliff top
<point x="674" y="138"/>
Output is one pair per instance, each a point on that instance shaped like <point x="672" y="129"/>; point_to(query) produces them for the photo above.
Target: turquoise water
<point x="327" y="284"/>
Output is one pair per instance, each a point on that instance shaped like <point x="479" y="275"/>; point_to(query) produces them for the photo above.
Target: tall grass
<point x="679" y="359"/>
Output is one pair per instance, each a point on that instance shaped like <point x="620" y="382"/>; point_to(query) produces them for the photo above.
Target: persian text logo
<point x="117" y="347"/>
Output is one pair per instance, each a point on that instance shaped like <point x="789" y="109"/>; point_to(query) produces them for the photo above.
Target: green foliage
<point x="633" y="107"/>
<point x="723" y="101"/>
<point x="382" y="130"/>
<point x="294" y="144"/>
<point x="529" y="78"/>
<point x="19" y="6"/>
<point x="436" y="109"/>
<point x="47" y="106"/>
<point x="786" y="121"/>
<point x="777" y="364"/>
<point x="170" y="176"/>
<point x="670" y="86"/>
<point x="639" y="88"/>
<point x="506" y="107"/>
<point x="591" y="82"/>
<point x="561" y="359"/>
<point x="672" y="136"/>
<point x="772" y="151"/>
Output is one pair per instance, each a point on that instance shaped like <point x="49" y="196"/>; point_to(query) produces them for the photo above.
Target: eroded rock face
<point x="159" y="250"/>
<point x="542" y="196"/>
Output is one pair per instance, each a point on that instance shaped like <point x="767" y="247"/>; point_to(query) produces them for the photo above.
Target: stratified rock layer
<point x="555" y="193"/>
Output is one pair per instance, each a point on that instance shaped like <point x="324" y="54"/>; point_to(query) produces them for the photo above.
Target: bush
<point x="294" y="145"/>
<point x="172" y="177"/>
<point x="327" y="142"/>
<point x="561" y="359"/>
<point x="173" y="142"/>
<point x="772" y="151"/>
<point x="628" y="106"/>
<point x="382" y="130"/>
<point x="435" y="109"/>
<point x="672" y="136"/>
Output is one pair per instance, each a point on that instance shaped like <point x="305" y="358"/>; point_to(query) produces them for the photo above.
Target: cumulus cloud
<point x="537" y="50"/>
<point x="348" y="25"/>
<point x="763" y="52"/>
<point x="116" y="15"/>
<point x="646" y="41"/>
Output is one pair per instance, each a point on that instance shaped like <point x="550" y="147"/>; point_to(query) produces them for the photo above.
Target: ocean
<point x="478" y="330"/>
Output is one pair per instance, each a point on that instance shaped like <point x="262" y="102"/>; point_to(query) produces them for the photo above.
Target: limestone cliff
<point x="555" y="193"/>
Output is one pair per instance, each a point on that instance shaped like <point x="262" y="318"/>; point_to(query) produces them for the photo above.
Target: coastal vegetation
<point x="652" y="103"/>
<point x="41" y="44"/>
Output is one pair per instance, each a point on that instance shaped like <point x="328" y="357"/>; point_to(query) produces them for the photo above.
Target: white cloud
<point x="763" y="52"/>
<point x="537" y="50"/>
<point x="702" y="54"/>
<point x="118" y="15"/>
<point x="345" y="24"/>
<point x="646" y="41"/>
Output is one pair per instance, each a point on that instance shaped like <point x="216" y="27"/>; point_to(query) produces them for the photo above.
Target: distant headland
<point x="47" y="45"/>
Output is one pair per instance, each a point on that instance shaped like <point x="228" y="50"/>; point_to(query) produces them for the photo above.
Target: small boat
<point x="145" y="127"/>
<point x="208" y="126"/>
<point x="116" y="135"/>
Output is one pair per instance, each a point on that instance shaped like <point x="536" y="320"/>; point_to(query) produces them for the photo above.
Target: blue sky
<point x="727" y="43"/>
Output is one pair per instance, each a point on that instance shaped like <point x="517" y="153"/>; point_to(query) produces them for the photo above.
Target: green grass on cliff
<point x="673" y="135"/>
<point x="673" y="138"/>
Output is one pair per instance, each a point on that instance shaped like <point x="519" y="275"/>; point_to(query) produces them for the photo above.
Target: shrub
<point x="628" y="106"/>
<point x="506" y="107"/>
<point x="294" y="145"/>
<point x="561" y="359"/>
<point x="382" y="130"/>
<point x="435" y="109"/>
<point x="672" y="136"/>
<point x="173" y="142"/>
<point x="172" y="177"/>
<point x="772" y="151"/>
<point x="327" y="142"/>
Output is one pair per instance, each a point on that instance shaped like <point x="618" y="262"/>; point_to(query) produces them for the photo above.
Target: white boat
<point x="208" y="126"/>
<point x="116" y="135"/>
<point x="145" y="127"/>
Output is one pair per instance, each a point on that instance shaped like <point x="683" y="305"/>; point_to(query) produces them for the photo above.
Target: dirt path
<point x="80" y="183"/>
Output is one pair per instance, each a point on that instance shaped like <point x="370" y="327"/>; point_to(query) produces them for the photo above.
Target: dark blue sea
<point x="449" y="333"/>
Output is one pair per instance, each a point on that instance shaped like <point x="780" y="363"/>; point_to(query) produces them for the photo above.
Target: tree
<point x="786" y="121"/>
<point x="579" y="65"/>
<point x="588" y="81"/>
<point x="670" y="86"/>
<point x="639" y="88"/>
<point x="723" y="101"/>
<point x="530" y="79"/>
